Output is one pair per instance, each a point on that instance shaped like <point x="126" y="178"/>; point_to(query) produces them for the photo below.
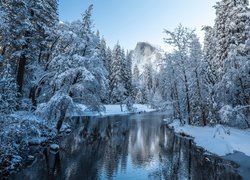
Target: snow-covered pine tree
<point x="233" y="64"/>
<point x="117" y="89"/>
<point x="148" y="77"/>
<point x="97" y="67"/>
<point x="129" y="100"/>
<point x="221" y="35"/>
<point x="102" y="48"/>
<point x="44" y="18"/>
<point x="3" y="28"/>
<point x="211" y="73"/>
<point x="235" y="80"/>
<point x="86" y="31"/>
<point x="108" y="61"/>
<point x="103" y="52"/>
<point x="27" y="39"/>
<point x="108" y="66"/>
<point x="196" y="84"/>
<point x="229" y="27"/>
<point x="128" y="85"/>
<point x="8" y="91"/>
<point x="18" y="37"/>
<point x="136" y="83"/>
<point x="125" y="74"/>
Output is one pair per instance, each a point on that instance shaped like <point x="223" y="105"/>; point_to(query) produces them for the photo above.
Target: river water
<point x="138" y="146"/>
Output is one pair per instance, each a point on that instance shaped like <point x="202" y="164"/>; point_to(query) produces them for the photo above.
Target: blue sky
<point x="132" y="21"/>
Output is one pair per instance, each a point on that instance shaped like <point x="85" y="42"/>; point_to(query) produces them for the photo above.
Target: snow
<point x="218" y="140"/>
<point x="54" y="147"/>
<point x="37" y="140"/>
<point x="115" y="109"/>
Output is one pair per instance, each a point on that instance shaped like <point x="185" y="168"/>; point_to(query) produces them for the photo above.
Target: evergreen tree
<point x="86" y="32"/>
<point x="117" y="89"/>
<point x="148" y="77"/>
<point x="18" y="37"/>
<point x="212" y="66"/>
<point x="128" y="84"/>
<point x="196" y="84"/>
<point x="8" y="91"/>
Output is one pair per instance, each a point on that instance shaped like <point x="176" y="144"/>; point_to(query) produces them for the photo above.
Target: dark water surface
<point x="127" y="147"/>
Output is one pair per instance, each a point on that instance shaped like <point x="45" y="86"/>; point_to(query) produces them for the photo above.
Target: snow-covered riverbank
<point x="111" y="109"/>
<point x="219" y="140"/>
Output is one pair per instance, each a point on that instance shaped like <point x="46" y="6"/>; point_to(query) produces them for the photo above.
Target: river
<point x="138" y="146"/>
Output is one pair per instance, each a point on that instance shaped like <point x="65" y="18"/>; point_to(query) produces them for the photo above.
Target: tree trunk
<point x="203" y="114"/>
<point x="178" y="103"/>
<point x="60" y="121"/>
<point x="63" y="111"/>
<point x="32" y="96"/>
<point x="20" y="73"/>
<point x="178" y="108"/>
<point x="187" y="98"/>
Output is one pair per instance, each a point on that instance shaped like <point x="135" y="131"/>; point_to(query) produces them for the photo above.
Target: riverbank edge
<point x="239" y="158"/>
<point x="218" y="140"/>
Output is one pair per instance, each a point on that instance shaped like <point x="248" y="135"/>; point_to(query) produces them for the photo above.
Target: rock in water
<point x="68" y="131"/>
<point x="54" y="147"/>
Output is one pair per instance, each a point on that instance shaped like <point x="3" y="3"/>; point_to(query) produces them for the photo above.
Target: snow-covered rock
<point x="37" y="141"/>
<point x="68" y="131"/>
<point x="31" y="158"/>
<point x="54" y="147"/>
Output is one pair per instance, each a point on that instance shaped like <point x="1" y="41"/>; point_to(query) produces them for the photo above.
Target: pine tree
<point x="234" y="82"/>
<point x="128" y="84"/>
<point x="108" y="60"/>
<point x="148" y="77"/>
<point x="222" y="10"/>
<point x="27" y="40"/>
<point x="230" y="23"/>
<point x="117" y="88"/>
<point x="103" y="52"/>
<point x="18" y="37"/>
<point x="212" y="66"/>
<point x="196" y="84"/>
<point x="8" y="91"/>
<point x="86" y="30"/>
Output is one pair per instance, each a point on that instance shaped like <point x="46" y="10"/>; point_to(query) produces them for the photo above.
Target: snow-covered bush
<point x="16" y="133"/>
<point x="55" y="110"/>
<point x="235" y="116"/>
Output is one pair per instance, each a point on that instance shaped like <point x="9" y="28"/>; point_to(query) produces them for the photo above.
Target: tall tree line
<point x="211" y="85"/>
<point x="47" y="66"/>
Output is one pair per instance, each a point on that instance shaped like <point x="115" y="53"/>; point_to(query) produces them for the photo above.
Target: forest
<point x="49" y="67"/>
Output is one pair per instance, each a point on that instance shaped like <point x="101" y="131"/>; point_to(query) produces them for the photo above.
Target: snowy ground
<point x="81" y="110"/>
<point x="218" y="140"/>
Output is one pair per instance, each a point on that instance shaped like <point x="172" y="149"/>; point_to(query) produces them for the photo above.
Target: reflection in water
<point x="127" y="147"/>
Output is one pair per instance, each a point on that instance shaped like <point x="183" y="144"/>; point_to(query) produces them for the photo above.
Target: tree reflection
<point x="121" y="146"/>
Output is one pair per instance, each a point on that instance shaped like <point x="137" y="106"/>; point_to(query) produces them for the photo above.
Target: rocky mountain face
<point x="145" y="53"/>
